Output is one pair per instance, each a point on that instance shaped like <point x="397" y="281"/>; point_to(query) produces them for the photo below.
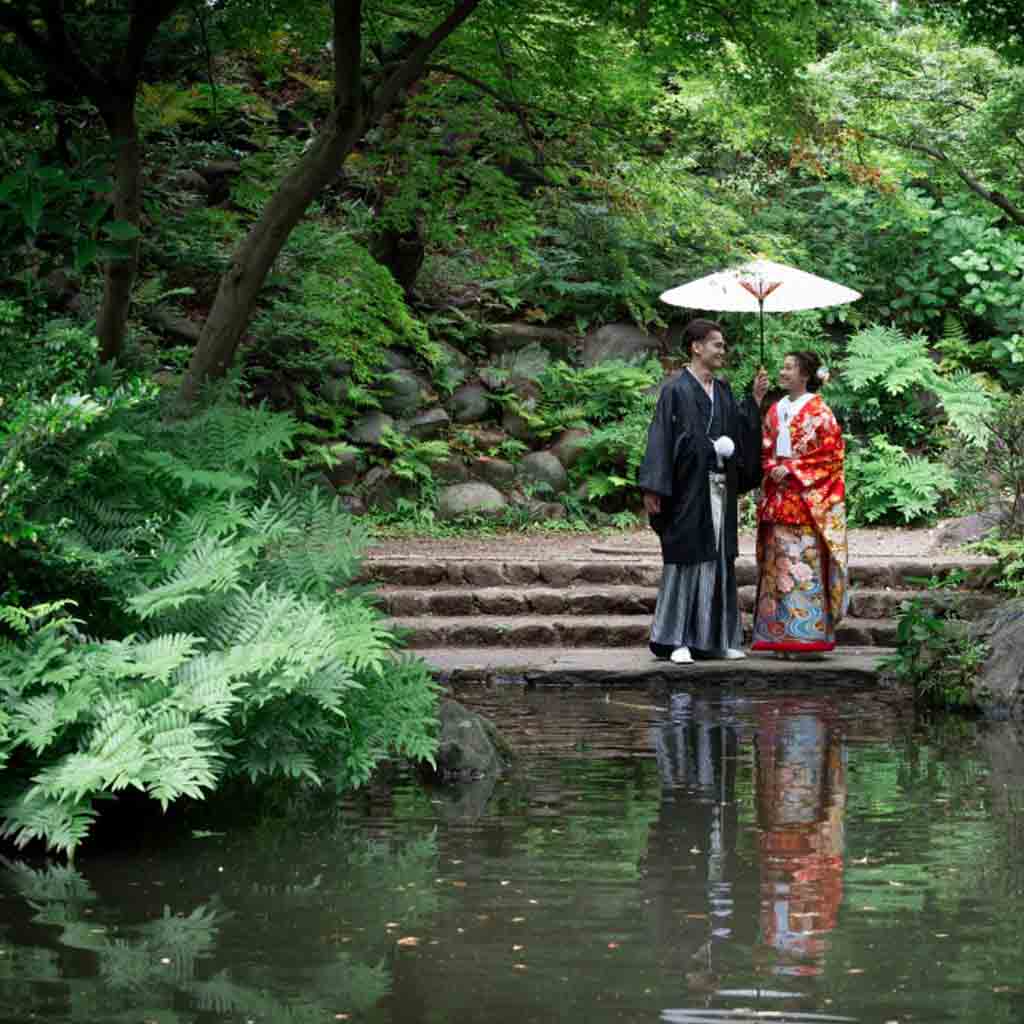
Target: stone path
<point x="557" y="611"/>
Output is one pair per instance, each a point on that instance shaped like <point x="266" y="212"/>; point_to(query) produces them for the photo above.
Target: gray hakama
<point x="697" y="605"/>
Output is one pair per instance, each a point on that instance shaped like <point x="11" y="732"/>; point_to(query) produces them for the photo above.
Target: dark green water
<point x="649" y="860"/>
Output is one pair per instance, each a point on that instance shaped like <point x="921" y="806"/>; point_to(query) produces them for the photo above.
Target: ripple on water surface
<point x="679" y="858"/>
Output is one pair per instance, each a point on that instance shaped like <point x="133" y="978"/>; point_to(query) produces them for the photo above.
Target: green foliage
<point x="935" y="657"/>
<point x="883" y="359"/>
<point x="229" y="650"/>
<point x="884" y="483"/>
<point x="332" y="300"/>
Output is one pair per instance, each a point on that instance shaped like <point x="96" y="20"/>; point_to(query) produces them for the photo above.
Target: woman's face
<point x="791" y="376"/>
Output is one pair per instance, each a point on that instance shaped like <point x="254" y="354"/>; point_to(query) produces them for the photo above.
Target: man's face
<point x="711" y="350"/>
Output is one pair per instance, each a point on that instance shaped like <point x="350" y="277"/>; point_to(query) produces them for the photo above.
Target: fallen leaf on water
<point x="408" y="940"/>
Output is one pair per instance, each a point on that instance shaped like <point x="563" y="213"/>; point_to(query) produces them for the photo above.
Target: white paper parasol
<point x="757" y="287"/>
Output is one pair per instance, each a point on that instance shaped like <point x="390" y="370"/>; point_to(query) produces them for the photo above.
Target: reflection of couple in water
<point x="704" y="448"/>
<point x="800" y="797"/>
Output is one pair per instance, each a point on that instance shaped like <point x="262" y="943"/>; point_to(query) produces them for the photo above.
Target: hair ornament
<point x="823" y="374"/>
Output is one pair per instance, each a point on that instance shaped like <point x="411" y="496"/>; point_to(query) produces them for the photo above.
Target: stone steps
<point x="634" y="599"/>
<point x="585" y="618"/>
<point x="644" y="569"/>
<point x="467" y="631"/>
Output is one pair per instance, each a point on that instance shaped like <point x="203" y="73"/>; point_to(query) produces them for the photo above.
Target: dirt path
<point x="882" y="543"/>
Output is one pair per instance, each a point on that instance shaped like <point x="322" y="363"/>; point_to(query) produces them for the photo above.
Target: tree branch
<point x="413" y="66"/>
<point x="146" y="18"/>
<point x="970" y="180"/>
<point x="348" y="54"/>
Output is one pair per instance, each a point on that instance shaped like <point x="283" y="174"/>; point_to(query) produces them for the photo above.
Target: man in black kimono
<point x="703" y="450"/>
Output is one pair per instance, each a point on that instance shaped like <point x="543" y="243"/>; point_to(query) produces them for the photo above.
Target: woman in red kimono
<point x="801" y="535"/>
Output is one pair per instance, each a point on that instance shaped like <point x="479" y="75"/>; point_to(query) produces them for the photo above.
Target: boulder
<point x="369" y="429"/>
<point x="527" y="364"/>
<point x="953" y="533"/>
<point x="397" y="360"/>
<point x="470" y="403"/>
<point x="543" y="468"/>
<point x="469" y="746"/>
<point x="405" y="393"/>
<point x="569" y="445"/>
<point x="452" y="470"/>
<point x="469" y="499"/>
<point x="429" y="424"/>
<point x="516" y="426"/>
<point x="347" y="465"/>
<point x="496" y="472"/>
<point x="618" y="341"/>
<point x="454" y="357"/>
<point x="382" y="489"/>
<point x="341" y="368"/>
<point x="999" y="689"/>
<point x="510" y="337"/>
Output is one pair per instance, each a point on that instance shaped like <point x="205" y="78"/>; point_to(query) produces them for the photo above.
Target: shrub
<point x="213" y="642"/>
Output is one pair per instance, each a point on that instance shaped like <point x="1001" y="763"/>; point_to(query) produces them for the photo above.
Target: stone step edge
<point x="631" y="668"/>
<point x="636" y="599"/>
<point x="562" y="573"/>
<point x="610" y="631"/>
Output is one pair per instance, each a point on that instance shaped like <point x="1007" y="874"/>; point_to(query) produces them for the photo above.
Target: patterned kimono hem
<point x="793" y="613"/>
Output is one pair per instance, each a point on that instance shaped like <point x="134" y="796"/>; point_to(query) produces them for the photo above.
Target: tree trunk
<point x="352" y="115"/>
<point x="119" y="275"/>
<point x="242" y="281"/>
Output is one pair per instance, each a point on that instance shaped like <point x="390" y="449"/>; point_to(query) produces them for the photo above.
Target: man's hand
<point x="779" y="473"/>
<point x="652" y="503"/>
<point x="760" y="385"/>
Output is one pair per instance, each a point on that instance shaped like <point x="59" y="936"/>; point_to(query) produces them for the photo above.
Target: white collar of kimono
<point x="788" y="408"/>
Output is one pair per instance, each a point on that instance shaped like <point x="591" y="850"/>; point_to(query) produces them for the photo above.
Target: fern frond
<point x="212" y="564"/>
<point x="884" y="355"/>
<point x="967" y="404"/>
<point x="61" y="824"/>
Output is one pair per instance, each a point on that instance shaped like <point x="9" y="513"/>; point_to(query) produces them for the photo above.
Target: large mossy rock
<point x="382" y="489"/>
<point x="429" y="424"/>
<point x="470" y="404"/>
<point x="470" y="499"/>
<point x="405" y="393"/>
<point x="369" y="430"/>
<point x="511" y="337"/>
<point x="618" y="341"/>
<point x="999" y="689"/>
<point x="545" y="469"/>
<point x="469" y="746"/>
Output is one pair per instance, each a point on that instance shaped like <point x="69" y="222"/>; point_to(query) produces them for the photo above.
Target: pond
<point x="693" y="857"/>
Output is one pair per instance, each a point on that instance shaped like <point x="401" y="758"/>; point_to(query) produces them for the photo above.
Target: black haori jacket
<point x="679" y="457"/>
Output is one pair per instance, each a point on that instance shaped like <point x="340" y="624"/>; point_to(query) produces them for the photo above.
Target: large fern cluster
<point x="226" y="647"/>
<point x="884" y="358"/>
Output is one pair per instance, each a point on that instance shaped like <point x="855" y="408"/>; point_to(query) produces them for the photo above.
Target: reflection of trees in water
<point x="787" y="908"/>
<point x="66" y="963"/>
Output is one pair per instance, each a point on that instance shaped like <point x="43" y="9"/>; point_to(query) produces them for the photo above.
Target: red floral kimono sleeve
<point x="815" y="478"/>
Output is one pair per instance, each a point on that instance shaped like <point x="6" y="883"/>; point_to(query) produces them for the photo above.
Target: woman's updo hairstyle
<point x="811" y="368"/>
